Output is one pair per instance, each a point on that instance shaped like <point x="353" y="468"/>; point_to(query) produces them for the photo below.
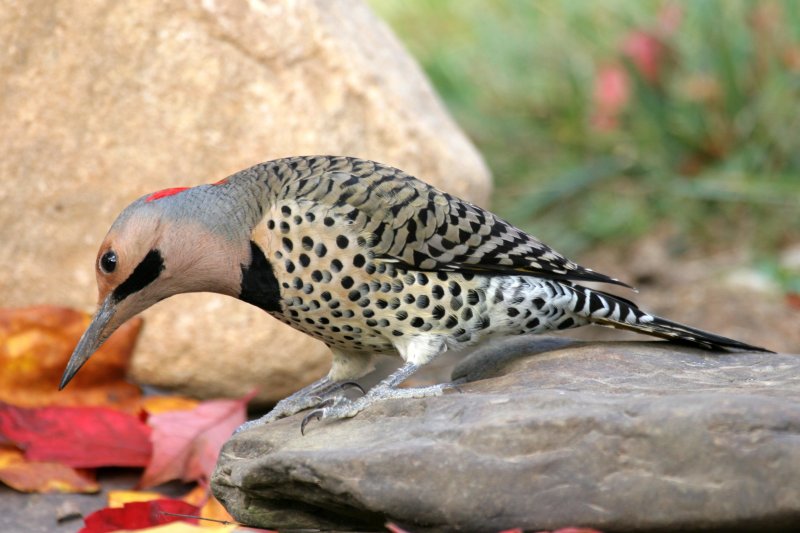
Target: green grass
<point x="711" y="148"/>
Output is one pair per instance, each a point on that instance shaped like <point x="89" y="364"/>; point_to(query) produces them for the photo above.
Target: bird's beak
<point x="99" y="330"/>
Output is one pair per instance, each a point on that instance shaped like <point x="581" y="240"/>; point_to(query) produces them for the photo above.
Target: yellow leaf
<point x="118" y="498"/>
<point x="179" y="527"/>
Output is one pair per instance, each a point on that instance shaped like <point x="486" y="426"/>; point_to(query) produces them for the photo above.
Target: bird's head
<point x="159" y="246"/>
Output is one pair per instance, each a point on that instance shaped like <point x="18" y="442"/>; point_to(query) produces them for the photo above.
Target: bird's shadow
<point x="488" y="360"/>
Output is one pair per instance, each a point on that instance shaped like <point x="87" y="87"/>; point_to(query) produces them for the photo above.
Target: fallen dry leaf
<point x="35" y="345"/>
<point x="156" y="405"/>
<point x="197" y="496"/>
<point x="186" y="443"/>
<point x="118" y="498"/>
<point x="216" y="514"/>
<point x="138" y="515"/>
<point x="210" y="508"/>
<point x="36" y="476"/>
<point x="183" y="527"/>
<point x="81" y="437"/>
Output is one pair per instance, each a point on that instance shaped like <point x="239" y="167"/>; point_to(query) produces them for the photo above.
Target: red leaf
<point x="81" y="437"/>
<point x="138" y="515"/>
<point x="186" y="443"/>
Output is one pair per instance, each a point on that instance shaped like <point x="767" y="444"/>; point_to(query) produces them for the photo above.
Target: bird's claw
<point x="345" y="384"/>
<point x="316" y="414"/>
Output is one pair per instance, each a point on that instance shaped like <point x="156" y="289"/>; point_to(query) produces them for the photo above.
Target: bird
<point x="362" y="256"/>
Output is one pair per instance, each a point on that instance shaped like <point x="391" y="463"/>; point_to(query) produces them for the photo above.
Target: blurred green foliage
<point x="604" y="120"/>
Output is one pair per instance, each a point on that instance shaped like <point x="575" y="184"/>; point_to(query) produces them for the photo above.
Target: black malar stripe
<point x="143" y="275"/>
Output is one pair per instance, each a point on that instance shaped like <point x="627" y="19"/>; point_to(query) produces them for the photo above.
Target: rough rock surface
<point x="616" y="436"/>
<point x="104" y="101"/>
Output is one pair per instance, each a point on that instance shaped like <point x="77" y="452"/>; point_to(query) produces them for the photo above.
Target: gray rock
<point x="616" y="436"/>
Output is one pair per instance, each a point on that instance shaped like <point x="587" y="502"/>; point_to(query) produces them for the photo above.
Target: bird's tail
<point x="609" y="310"/>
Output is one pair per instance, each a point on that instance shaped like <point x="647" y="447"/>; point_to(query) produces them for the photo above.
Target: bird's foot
<point x="340" y="407"/>
<point x="315" y="395"/>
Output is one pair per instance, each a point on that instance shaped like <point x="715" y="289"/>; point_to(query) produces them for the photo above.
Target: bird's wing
<point x="407" y="221"/>
<point x="447" y="233"/>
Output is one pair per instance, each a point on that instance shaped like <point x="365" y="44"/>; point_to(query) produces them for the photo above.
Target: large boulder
<point x="107" y="100"/>
<point x="615" y="436"/>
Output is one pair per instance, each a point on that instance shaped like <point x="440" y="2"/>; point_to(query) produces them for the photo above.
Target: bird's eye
<point x="108" y="262"/>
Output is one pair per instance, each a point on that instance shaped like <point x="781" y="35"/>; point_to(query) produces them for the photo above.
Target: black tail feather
<point x="624" y="314"/>
<point x="682" y="334"/>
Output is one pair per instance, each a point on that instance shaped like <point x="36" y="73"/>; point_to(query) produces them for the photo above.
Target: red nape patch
<point x="165" y="193"/>
<point x="223" y="181"/>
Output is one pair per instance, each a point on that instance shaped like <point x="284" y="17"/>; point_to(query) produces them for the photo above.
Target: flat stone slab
<point x="546" y="433"/>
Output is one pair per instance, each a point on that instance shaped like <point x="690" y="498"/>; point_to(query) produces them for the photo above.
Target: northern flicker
<point x="361" y="256"/>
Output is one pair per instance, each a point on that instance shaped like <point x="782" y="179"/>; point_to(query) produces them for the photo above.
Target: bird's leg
<point x="340" y="407"/>
<point x="307" y="397"/>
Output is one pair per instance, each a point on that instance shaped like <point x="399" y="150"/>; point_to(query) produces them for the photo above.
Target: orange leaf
<point x="156" y="405"/>
<point x="210" y="507"/>
<point x="35" y="345"/>
<point x="35" y="476"/>
<point x="197" y="496"/>
<point x="214" y="510"/>
<point x="186" y="443"/>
